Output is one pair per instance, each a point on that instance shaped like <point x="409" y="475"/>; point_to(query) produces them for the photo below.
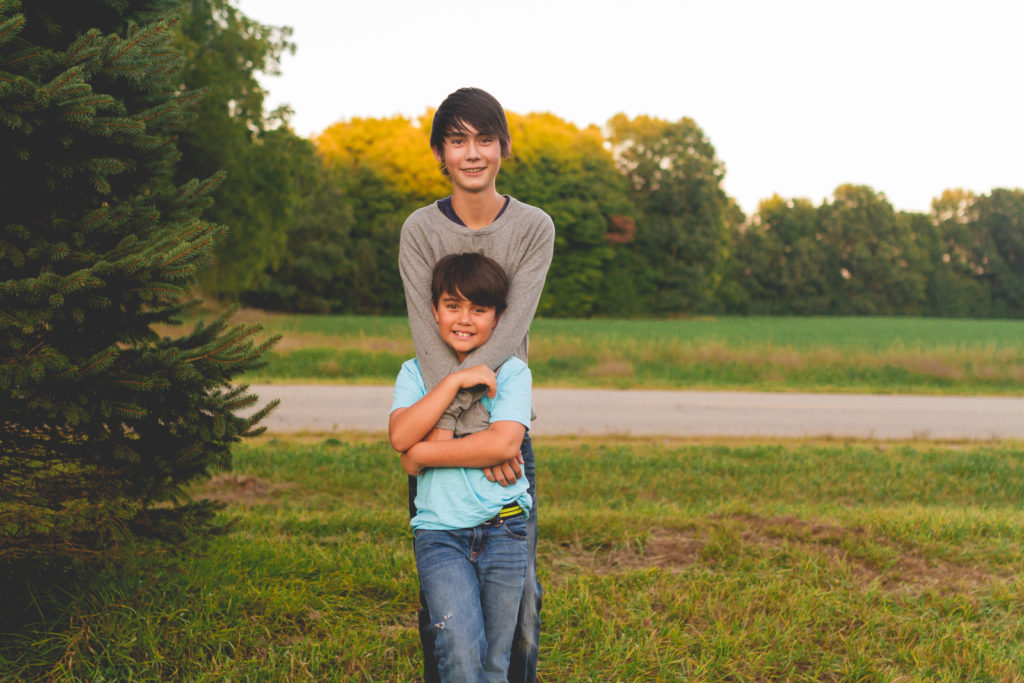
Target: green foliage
<point x="344" y="255"/>
<point x="998" y="225"/>
<point x="102" y="419"/>
<point x="855" y="255"/>
<point x="954" y="289"/>
<point x="880" y="267"/>
<point x="318" y="272"/>
<point x="372" y="282"/>
<point x="784" y="264"/>
<point x="570" y="175"/>
<point x="978" y="260"/>
<point x="269" y="170"/>
<point x="684" y="233"/>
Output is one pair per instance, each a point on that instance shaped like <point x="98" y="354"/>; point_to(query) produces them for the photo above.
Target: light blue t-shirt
<point x="462" y="497"/>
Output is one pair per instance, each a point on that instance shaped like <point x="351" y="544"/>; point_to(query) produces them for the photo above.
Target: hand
<point x="506" y="473"/>
<point x="409" y="463"/>
<point x="476" y="376"/>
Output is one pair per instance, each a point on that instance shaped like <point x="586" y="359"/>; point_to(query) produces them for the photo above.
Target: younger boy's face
<point x="472" y="158"/>
<point x="463" y="325"/>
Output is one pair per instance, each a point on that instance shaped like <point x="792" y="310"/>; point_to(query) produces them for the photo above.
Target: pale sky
<point x="910" y="97"/>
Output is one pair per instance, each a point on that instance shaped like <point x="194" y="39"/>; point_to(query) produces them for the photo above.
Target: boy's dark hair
<point x="476" y="108"/>
<point x="474" y="277"/>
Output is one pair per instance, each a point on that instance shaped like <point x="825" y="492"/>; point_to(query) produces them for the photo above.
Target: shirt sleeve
<point x="437" y="360"/>
<point x="512" y="402"/>
<point x="409" y="387"/>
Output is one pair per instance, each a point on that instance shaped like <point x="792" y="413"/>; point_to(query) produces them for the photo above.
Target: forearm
<point x="436" y="359"/>
<point x="490" y="447"/>
<point x="408" y="426"/>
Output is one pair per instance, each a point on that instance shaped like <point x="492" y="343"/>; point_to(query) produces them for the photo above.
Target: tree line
<point x="644" y="227"/>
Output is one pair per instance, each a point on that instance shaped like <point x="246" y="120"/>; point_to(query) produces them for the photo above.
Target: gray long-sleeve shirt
<point x="522" y="241"/>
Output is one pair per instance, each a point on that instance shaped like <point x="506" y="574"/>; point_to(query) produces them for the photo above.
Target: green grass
<point x="660" y="561"/>
<point x="861" y="333"/>
<point x="875" y="355"/>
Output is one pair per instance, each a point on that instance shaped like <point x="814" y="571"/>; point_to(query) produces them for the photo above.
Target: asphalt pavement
<point x="328" y="409"/>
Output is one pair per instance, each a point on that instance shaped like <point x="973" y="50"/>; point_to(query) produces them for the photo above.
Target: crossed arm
<point x="496" y="447"/>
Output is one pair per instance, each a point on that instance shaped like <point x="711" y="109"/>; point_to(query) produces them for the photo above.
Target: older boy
<point x="469" y="138"/>
<point x="470" y="532"/>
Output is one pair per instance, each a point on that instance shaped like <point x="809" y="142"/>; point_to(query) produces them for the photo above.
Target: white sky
<point x="910" y="97"/>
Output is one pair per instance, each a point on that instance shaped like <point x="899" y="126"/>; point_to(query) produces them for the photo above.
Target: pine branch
<point x="11" y="27"/>
<point x="85" y="44"/>
<point x="137" y="41"/>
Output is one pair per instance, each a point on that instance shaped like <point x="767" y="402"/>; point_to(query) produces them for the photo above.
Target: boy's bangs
<point x="473" y="290"/>
<point x="461" y="126"/>
<point x="478" y="295"/>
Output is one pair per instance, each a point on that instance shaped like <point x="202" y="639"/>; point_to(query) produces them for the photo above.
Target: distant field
<point x="887" y="355"/>
<point x="660" y="562"/>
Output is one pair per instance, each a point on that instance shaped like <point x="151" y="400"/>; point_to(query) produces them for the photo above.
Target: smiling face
<point x="471" y="158"/>
<point x="463" y="325"/>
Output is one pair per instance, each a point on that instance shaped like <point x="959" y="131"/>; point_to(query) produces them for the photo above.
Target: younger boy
<point x="470" y="532"/>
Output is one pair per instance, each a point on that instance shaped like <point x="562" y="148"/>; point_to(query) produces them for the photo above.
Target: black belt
<point x="507" y="512"/>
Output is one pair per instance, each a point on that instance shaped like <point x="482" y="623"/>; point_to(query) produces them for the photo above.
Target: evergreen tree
<point x="101" y="419"/>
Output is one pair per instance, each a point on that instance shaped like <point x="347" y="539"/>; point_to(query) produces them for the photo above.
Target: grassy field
<point x="878" y="355"/>
<point x="660" y="561"/>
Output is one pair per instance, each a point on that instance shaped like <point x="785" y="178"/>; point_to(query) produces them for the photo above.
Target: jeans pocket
<point x="515" y="528"/>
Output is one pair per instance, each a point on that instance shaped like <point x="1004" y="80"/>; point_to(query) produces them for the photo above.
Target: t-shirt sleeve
<point x="416" y="264"/>
<point x="409" y="386"/>
<point x="512" y="401"/>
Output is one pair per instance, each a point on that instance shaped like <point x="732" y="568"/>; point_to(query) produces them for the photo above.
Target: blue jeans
<point x="473" y="581"/>
<point x="523" y="661"/>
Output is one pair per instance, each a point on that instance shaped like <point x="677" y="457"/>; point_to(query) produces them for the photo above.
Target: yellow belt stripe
<point x="510" y="511"/>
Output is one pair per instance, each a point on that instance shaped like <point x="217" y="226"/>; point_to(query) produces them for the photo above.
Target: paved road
<point x="591" y="412"/>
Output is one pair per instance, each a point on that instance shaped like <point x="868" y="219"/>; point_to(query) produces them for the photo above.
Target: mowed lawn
<point x="877" y="355"/>
<point x="660" y="561"/>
